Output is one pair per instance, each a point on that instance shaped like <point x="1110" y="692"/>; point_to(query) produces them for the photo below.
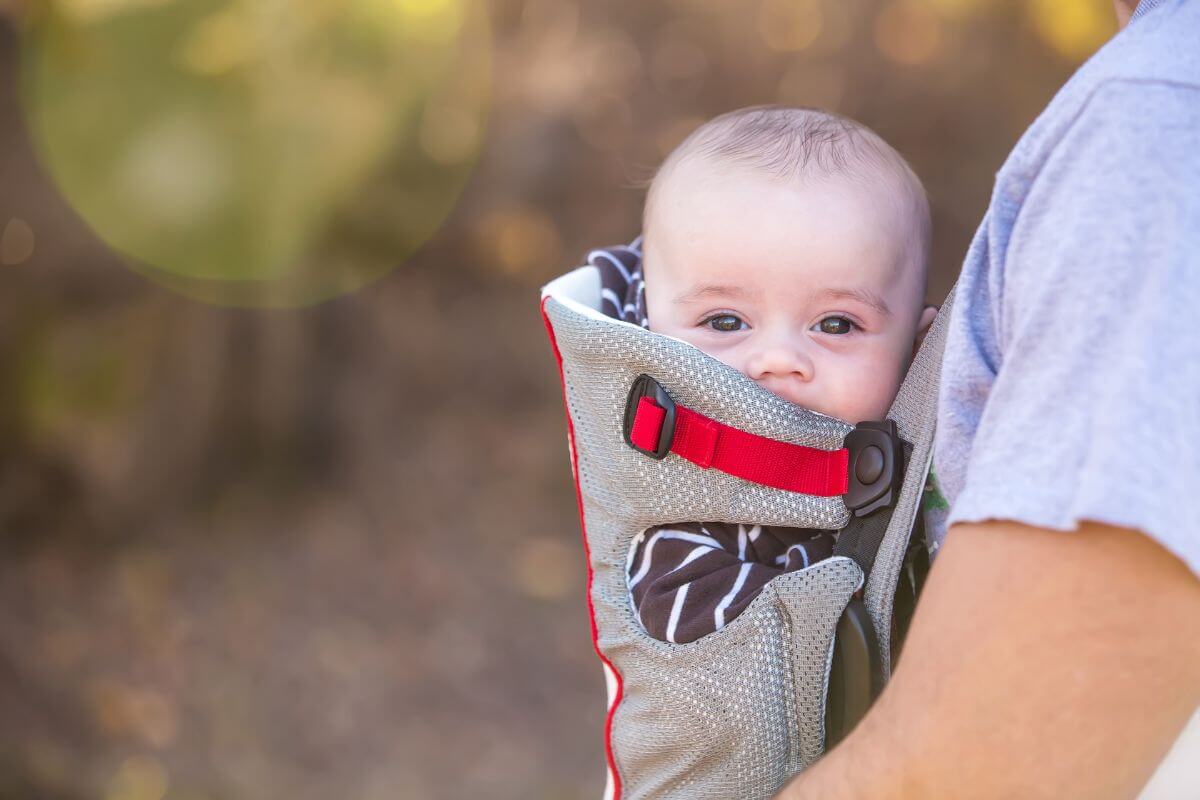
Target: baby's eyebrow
<point x="865" y="296"/>
<point x="712" y="290"/>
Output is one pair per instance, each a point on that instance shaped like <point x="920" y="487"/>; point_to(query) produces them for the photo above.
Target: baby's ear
<point x="927" y="315"/>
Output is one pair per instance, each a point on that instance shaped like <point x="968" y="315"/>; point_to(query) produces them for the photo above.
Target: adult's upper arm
<point x="1055" y="650"/>
<point x="1038" y="665"/>
<point x="1094" y="413"/>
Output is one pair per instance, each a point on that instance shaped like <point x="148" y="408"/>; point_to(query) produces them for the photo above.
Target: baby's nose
<point x="779" y="361"/>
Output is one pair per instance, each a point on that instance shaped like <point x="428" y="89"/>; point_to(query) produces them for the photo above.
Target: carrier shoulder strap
<point x="878" y="542"/>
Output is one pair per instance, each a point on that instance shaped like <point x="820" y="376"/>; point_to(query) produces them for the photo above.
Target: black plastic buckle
<point x="876" y="466"/>
<point x="645" y="386"/>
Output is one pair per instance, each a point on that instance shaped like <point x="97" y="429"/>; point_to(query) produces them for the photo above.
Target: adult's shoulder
<point x="1091" y="231"/>
<point x="1157" y="54"/>
<point x="1157" y="46"/>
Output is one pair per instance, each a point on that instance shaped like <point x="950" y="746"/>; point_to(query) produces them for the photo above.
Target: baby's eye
<point x="836" y="325"/>
<point x="725" y="323"/>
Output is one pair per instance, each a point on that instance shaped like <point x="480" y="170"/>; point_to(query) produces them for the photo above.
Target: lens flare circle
<point x="259" y="152"/>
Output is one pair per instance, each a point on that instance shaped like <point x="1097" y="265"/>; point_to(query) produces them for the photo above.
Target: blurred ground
<point x="333" y="552"/>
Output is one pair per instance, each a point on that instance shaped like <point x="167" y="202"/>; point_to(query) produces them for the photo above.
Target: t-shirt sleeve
<point x="1094" y="413"/>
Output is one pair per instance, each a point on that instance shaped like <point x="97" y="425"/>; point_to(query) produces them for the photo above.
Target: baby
<point x="791" y="244"/>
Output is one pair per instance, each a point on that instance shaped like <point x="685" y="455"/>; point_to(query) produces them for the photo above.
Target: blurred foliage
<point x="332" y="551"/>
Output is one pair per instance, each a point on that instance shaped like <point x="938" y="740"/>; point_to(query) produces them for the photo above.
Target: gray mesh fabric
<point x="736" y="712"/>
<point x="914" y="412"/>
<point x="602" y="358"/>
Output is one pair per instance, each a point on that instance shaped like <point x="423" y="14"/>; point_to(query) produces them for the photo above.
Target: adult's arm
<point x="1054" y="652"/>
<point x="1039" y="665"/>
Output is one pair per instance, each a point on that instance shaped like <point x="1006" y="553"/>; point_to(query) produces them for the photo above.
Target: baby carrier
<point x="659" y="433"/>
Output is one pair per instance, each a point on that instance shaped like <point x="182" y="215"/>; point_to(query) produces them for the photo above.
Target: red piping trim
<point x="612" y="709"/>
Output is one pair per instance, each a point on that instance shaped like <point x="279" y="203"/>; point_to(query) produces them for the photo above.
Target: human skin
<point x="1124" y="10"/>
<point x="804" y="285"/>
<point x="1109" y="620"/>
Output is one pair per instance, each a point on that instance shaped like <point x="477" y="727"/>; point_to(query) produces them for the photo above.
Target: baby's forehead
<point x="695" y="176"/>
<point x="712" y="221"/>
<point x="705" y="188"/>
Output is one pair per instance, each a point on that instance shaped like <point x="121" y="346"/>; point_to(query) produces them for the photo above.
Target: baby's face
<point x="803" y="288"/>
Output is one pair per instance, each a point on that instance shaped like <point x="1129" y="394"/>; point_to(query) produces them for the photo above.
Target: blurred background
<point x="285" y="504"/>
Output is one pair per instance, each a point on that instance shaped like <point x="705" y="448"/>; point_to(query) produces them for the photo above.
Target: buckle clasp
<point x="645" y="386"/>
<point x="876" y="466"/>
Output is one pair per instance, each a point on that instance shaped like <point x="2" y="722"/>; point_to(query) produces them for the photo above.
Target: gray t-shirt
<point x="1070" y="388"/>
<point x="1071" y="383"/>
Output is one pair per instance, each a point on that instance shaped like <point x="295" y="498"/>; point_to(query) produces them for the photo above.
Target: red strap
<point x="709" y="444"/>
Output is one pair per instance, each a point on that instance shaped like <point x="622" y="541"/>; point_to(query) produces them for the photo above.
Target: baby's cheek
<point x="865" y="397"/>
<point x="880" y="394"/>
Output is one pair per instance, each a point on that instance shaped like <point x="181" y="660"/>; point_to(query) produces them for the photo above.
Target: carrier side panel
<point x="735" y="713"/>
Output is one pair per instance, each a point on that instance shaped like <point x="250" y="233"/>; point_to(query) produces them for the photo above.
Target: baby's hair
<point x="791" y="143"/>
<point x="782" y="141"/>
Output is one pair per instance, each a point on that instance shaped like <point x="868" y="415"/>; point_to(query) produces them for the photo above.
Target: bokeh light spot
<point x="908" y="31"/>
<point x="217" y="44"/>
<point x="432" y="20"/>
<point x="96" y="10"/>
<point x="1072" y="28"/>
<point x="141" y="712"/>
<point x="16" y="243"/>
<point x="449" y="134"/>
<point x="228" y="147"/>
<point x="177" y="170"/>
<point x="520" y="240"/>
<point x="138" y="778"/>
<point x="545" y="569"/>
<point x="614" y="60"/>
<point x="789" y="25"/>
